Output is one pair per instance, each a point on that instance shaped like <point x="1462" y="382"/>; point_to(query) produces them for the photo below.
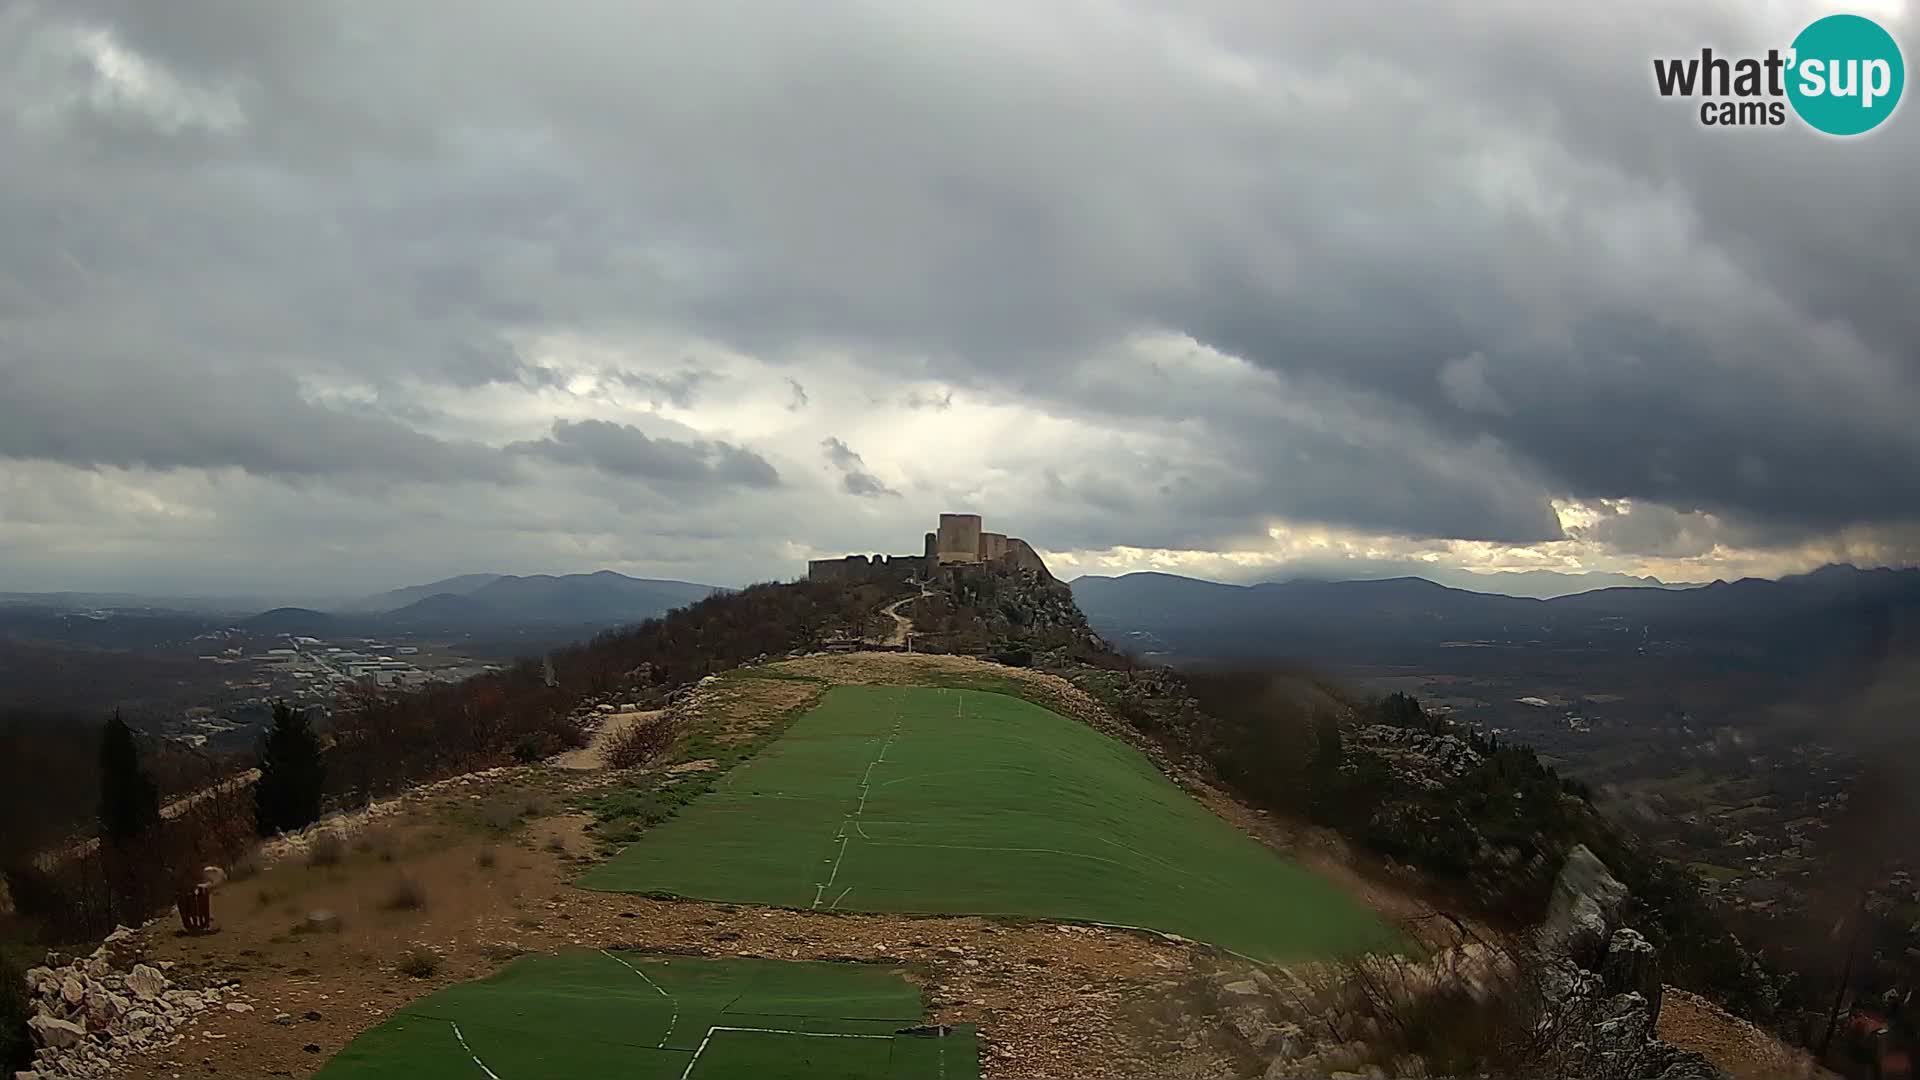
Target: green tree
<point x="292" y="773"/>
<point x="129" y="803"/>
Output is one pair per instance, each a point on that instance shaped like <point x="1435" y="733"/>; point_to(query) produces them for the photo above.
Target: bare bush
<point x="326" y="848"/>
<point x="641" y="742"/>
<point x="1478" y="1009"/>
<point x="419" y="962"/>
<point x="246" y="866"/>
<point x="405" y="894"/>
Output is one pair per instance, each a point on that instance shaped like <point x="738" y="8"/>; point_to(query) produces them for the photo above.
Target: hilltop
<point x="1390" y="805"/>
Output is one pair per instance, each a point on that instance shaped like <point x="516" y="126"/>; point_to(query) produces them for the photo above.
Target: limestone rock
<point x="120" y="948"/>
<point x="1633" y="965"/>
<point x="146" y="982"/>
<point x="1661" y="1061"/>
<point x="1584" y="911"/>
<point x="54" y="1032"/>
<point x="73" y="991"/>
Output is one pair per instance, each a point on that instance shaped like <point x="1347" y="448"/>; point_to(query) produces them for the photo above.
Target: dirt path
<point x="594" y="754"/>
<point x="902" y="625"/>
<point x="1739" y="1048"/>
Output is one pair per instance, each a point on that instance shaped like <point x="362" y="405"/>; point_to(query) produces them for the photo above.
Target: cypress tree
<point x="129" y="803"/>
<point x="287" y="795"/>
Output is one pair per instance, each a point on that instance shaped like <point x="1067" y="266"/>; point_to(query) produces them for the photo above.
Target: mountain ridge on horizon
<point x="1479" y="582"/>
<point x="1800" y="618"/>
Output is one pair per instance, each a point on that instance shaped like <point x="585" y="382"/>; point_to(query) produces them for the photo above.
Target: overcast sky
<point x="341" y="296"/>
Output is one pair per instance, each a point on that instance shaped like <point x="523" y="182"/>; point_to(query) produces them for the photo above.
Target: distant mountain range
<point x="1544" y="584"/>
<point x="492" y="603"/>
<point x="1833" y="611"/>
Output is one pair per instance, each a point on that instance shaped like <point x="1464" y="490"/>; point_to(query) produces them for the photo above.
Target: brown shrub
<point x="246" y="865"/>
<point x="420" y="962"/>
<point x="405" y="894"/>
<point x="641" y="742"/>
<point x="326" y="849"/>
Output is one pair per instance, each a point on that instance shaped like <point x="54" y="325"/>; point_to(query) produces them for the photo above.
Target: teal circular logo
<point x="1846" y="76"/>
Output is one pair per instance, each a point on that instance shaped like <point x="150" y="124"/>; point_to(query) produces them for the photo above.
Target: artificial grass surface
<point x="913" y="799"/>
<point x="583" y="1013"/>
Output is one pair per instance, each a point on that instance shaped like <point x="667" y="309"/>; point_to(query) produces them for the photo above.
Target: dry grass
<point x="326" y="849"/>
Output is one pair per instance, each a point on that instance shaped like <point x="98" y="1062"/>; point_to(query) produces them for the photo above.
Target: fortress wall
<point x="959" y="540"/>
<point x="856" y="568"/>
<point x="1022" y="555"/>
<point x="851" y="568"/>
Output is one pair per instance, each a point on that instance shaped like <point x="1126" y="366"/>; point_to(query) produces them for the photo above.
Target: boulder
<point x="1632" y="965"/>
<point x="120" y="949"/>
<point x="323" y="921"/>
<point x="1584" y="911"/>
<point x="72" y="990"/>
<point x="1625" y="1024"/>
<point x="55" y="1033"/>
<point x="146" y="982"/>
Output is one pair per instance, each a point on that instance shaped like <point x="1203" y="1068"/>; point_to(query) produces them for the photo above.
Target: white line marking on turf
<point x="470" y="1053"/>
<point x="866" y="782"/>
<point x="663" y="993"/>
<point x="766" y="1031"/>
<point x="842" y="896"/>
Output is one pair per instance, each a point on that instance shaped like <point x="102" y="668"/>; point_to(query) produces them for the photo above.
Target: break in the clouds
<point x="1227" y="287"/>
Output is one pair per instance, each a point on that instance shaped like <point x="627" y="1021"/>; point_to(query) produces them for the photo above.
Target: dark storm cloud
<point x="854" y="478"/>
<point x="1459" y="263"/>
<point x="79" y="414"/>
<point x="624" y="450"/>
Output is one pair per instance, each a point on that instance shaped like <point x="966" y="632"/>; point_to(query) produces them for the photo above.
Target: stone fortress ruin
<point x="959" y="541"/>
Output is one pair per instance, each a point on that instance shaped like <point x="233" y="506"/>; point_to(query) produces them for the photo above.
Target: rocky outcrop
<point x="91" y="1014"/>
<point x="1418" y="758"/>
<point x="1601" y="985"/>
<point x="1632" y="965"/>
<point x="1584" y="912"/>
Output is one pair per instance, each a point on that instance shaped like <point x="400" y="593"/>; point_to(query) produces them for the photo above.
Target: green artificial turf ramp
<point x="584" y="1013"/>
<point x="945" y="801"/>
